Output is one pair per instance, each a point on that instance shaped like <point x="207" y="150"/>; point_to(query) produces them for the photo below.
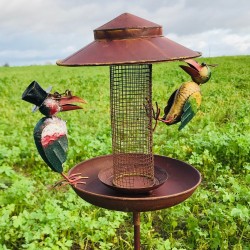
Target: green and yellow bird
<point x="184" y="103"/>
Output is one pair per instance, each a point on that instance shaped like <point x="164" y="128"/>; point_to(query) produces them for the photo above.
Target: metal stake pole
<point x="136" y="222"/>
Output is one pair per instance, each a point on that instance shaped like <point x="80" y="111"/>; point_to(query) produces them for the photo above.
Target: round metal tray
<point x="106" y="176"/>
<point x="182" y="181"/>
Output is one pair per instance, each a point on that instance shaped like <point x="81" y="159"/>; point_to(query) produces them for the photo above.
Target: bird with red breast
<point x="50" y="133"/>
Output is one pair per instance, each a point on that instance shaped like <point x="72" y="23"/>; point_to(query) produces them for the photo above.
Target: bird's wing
<point x="169" y="104"/>
<point x="51" y="142"/>
<point x="190" y="109"/>
<point x="56" y="153"/>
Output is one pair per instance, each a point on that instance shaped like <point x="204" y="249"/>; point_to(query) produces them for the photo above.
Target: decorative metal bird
<point x="50" y="133"/>
<point x="184" y="102"/>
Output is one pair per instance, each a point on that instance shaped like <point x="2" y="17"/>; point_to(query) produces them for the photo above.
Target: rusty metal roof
<point x="128" y="39"/>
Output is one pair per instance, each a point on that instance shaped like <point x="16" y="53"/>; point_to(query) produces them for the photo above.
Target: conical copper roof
<point x="128" y="39"/>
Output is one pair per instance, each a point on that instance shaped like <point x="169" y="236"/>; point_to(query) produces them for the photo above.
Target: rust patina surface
<point x="128" y="39"/>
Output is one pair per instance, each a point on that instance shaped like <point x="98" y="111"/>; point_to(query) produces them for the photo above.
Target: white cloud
<point x="215" y="42"/>
<point x="44" y="29"/>
<point x="240" y="43"/>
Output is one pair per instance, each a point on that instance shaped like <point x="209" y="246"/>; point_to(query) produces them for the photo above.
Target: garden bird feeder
<point x="129" y="45"/>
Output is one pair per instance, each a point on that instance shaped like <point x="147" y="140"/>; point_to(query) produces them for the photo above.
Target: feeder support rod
<point x="136" y="222"/>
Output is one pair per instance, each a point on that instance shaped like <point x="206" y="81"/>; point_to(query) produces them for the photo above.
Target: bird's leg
<point x="155" y="113"/>
<point x="72" y="180"/>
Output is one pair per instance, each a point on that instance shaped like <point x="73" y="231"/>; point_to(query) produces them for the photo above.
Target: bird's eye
<point x="203" y="64"/>
<point x="56" y="95"/>
<point x="68" y="93"/>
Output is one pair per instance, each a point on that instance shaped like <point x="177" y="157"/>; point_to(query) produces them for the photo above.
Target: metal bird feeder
<point x="132" y="179"/>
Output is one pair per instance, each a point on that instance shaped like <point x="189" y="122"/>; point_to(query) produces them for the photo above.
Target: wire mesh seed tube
<point x="131" y="122"/>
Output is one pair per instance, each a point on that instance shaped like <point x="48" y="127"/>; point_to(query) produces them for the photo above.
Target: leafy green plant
<point x="216" y="142"/>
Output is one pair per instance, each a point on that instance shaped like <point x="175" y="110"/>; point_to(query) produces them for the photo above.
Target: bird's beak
<point x="67" y="103"/>
<point x="193" y="69"/>
<point x="169" y="121"/>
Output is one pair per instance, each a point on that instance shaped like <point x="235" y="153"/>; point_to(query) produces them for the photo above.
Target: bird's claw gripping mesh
<point x="131" y="122"/>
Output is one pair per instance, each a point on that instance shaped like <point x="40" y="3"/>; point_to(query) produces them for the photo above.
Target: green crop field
<point x="216" y="142"/>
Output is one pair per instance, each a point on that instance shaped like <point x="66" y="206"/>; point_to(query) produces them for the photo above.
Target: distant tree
<point x="6" y="65"/>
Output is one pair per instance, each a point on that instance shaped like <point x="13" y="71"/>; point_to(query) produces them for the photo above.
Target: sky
<point x="43" y="31"/>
